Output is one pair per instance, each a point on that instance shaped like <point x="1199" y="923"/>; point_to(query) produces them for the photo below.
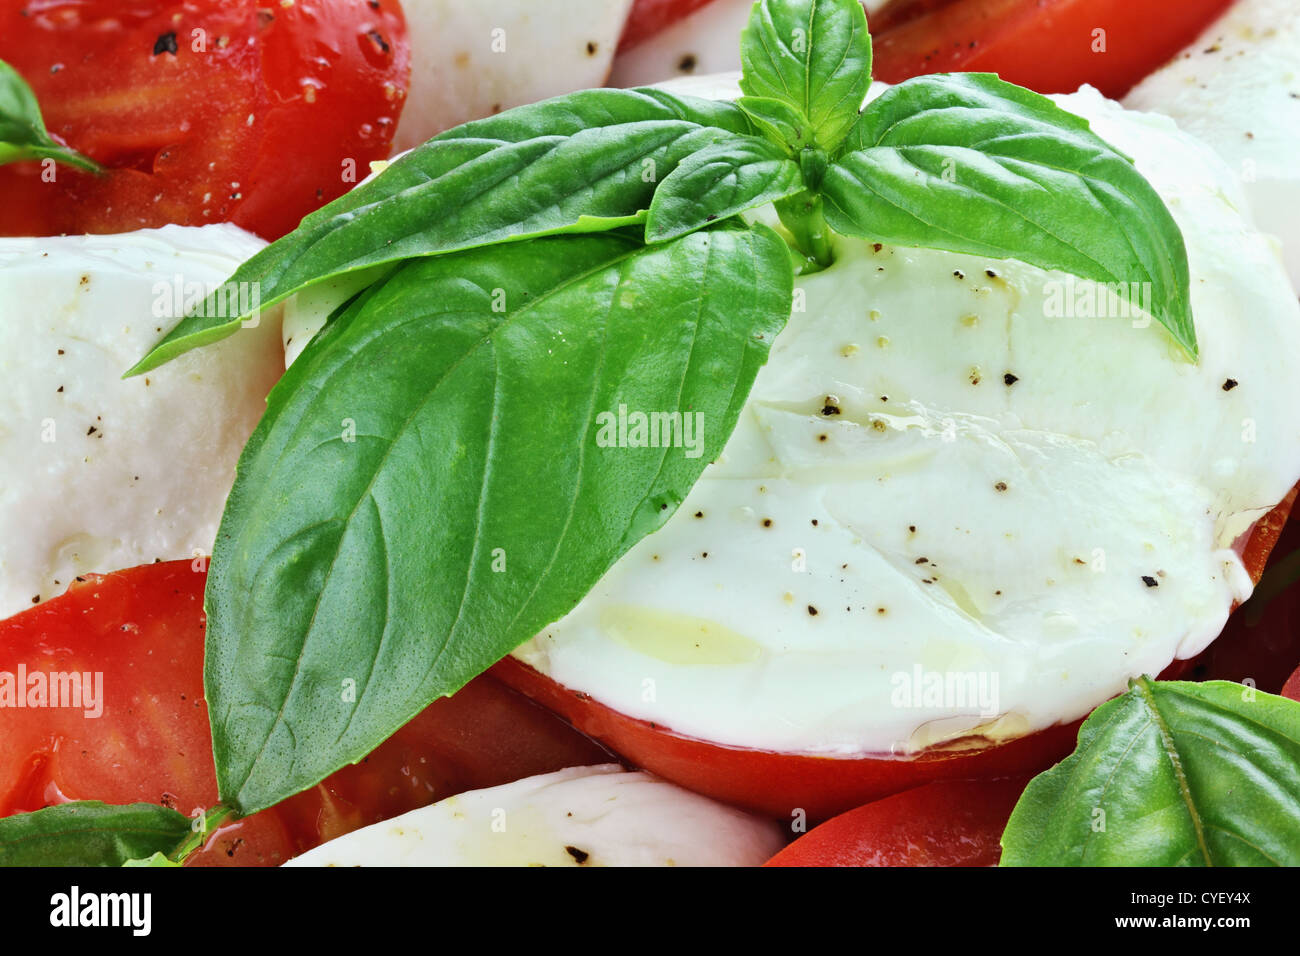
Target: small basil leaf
<point x="780" y="122"/>
<point x="968" y="163"/>
<point x="586" y="162"/>
<point x="1170" y="774"/>
<point x="720" y="181"/>
<point x="376" y="551"/>
<point x="814" y="55"/>
<point x="90" y="833"/>
<point x="22" y="130"/>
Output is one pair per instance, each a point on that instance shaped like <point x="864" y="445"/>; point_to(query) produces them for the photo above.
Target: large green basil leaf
<point x="429" y="487"/>
<point x="90" y="833"/>
<point x="1170" y="774"/>
<point x="968" y="163"/>
<point x="720" y="181"/>
<point x="585" y="162"/>
<point x="814" y="55"/>
<point x="22" y="129"/>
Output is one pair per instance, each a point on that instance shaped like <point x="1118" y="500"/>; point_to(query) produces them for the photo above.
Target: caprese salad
<point x="670" y="432"/>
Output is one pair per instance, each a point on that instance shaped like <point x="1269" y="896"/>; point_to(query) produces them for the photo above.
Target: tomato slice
<point x="650" y="17"/>
<point x="780" y="783"/>
<point x="1052" y="46"/>
<point x="141" y="630"/>
<point x="1291" y="689"/>
<point x="897" y="12"/>
<point x="952" y="823"/>
<point x="203" y="111"/>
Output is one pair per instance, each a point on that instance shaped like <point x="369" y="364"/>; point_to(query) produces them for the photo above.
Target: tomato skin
<point x="779" y="783"/>
<point x="143" y="630"/>
<point x="650" y="17"/>
<point x="199" y="109"/>
<point x="1046" y="45"/>
<point x="897" y="12"/>
<point x="950" y="823"/>
<point x="1291" y="689"/>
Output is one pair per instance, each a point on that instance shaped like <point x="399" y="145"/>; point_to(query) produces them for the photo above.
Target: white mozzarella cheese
<point x="705" y="42"/>
<point x="1238" y="89"/>
<point x="584" y="816"/>
<point x="470" y="60"/>
<point x="951" y="510"/>
<point x="99" y="473"/>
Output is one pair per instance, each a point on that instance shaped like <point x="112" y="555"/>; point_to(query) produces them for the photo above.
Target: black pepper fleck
<point x="1008" y="379"/>
<point x="812" y="611"/>
<point x="1229" y="384"/>
<point x="166" y="43"/>
<point x="687" y="63"/>
<point x="580" y="855"/>
<point x="1000" y="486"/>
<point x="1149" y="581"/>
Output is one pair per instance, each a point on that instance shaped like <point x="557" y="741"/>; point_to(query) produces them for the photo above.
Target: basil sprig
<point x="429" y="487"/>
<point x="1169" y="774"/>
<point x="22" y="130"/>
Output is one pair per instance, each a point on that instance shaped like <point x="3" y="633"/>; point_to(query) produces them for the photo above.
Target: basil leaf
<point x="968" y="163"/>
<point x="429" y="487"/>
<point x="814" y="55"/>
<point x="157" y="861"/>
<point x="1170" y="774"/>
<point x="780" y="122"/>
<point x="585" y="162"/>
<point x="89" y="833"/>
<point x="720" y="181"/>
<point x="22" y="130"/>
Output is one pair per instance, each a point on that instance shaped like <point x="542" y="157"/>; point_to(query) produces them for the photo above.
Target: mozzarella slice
<point x="705" y="42"/>
<point x="962" y="499"/>
<point x="99" y="473"/>
<point x="470" y="60"/>
<point x="592" y="816"/>
<point x="1238" y="89"/>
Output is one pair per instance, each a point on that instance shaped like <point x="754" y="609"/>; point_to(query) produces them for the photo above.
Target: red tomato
<point x="649" y="17"/>
<point x="953" y="823"/>
<point x="1291" y="689"/>
<point x="142" y="629"/>
<point x="1051" y="46"/>
<point x="898" y="12"/>
<point x="203" y="110"/>
<point x="779" y="783"/>
<point x="773" y="783"/>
